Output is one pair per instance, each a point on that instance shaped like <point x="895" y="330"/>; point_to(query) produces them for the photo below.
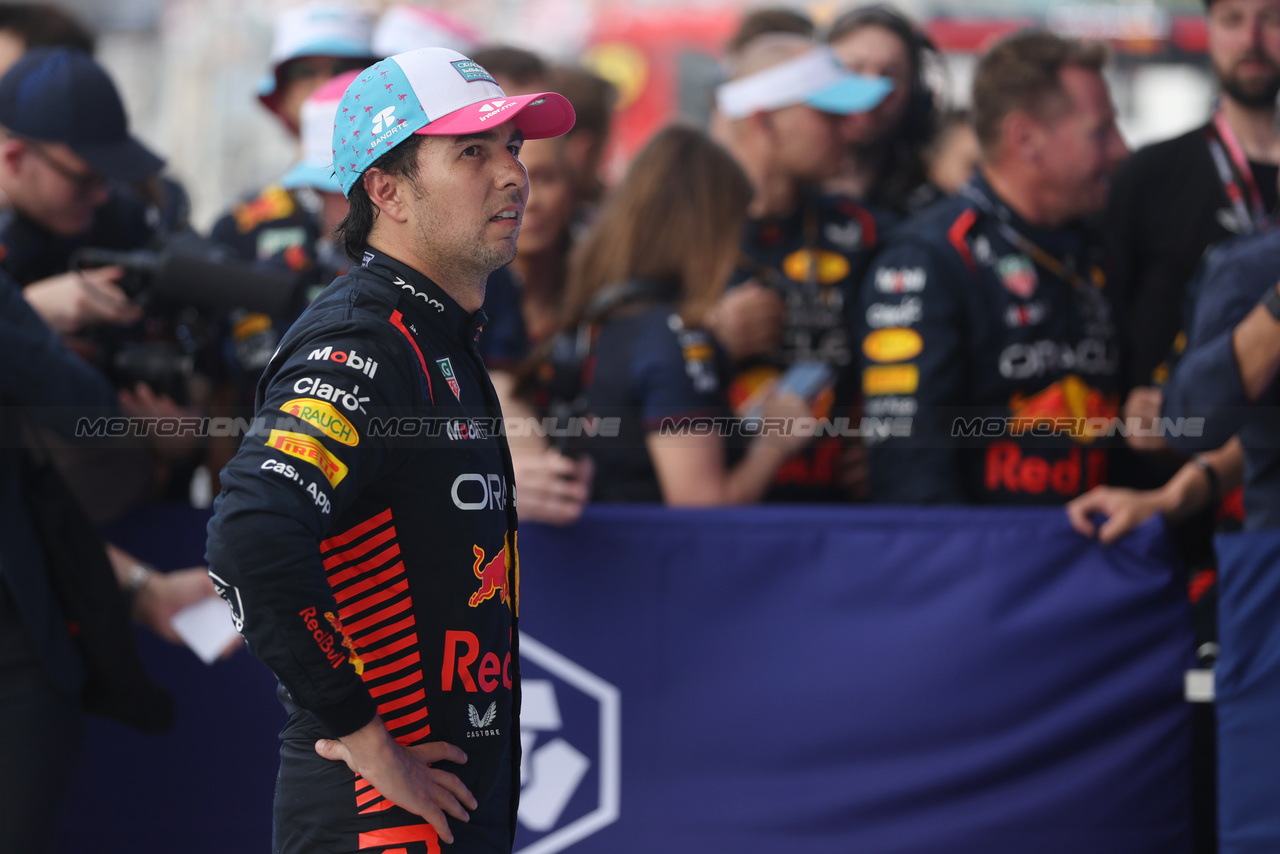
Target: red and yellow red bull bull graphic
<point x="1065" y="406"/>
<point x="494" y="574"/>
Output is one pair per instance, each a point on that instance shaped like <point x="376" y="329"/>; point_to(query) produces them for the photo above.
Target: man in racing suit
<point x="365" y="535"/>
<point x="987" y="319"/>
<point x="803" y="252"/>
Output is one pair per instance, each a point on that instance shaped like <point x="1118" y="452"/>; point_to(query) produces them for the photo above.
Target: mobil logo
<point x="571" y="738"/>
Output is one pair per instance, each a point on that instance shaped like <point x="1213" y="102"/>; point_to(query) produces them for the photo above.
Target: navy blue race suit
<point x="815" y="258"/>
<point x="979" y="327"/>
<point x="365" y="540"/>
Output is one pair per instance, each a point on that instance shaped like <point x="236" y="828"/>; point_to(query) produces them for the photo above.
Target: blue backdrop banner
<point x="773" y="679"/>
<point x="1248" y="693"/>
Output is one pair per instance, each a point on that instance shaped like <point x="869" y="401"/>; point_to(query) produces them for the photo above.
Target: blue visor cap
<point x="853" y="94"/>
<point x="307" y="175"/>
<point x="342" y="49"/>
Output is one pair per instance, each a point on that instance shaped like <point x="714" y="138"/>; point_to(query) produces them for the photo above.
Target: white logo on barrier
<point x="554" y="764"/>
<point x="385" y="116"/>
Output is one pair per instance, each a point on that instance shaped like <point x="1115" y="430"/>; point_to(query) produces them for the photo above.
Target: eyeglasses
<point x="85" y="183"/>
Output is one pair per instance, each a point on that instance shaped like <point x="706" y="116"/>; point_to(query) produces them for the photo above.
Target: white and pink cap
<point x="431" y="91"/>
<point x="315" y="169"/>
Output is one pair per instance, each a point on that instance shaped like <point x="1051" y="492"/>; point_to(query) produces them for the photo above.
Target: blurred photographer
<point x="63" y="137"/>
<point x="64" y="145"/>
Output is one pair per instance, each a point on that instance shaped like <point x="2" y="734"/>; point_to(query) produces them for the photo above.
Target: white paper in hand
<point x="206" y="627"/>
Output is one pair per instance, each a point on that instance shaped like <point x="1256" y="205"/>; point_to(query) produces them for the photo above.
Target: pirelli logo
<point x="309" y="449"/>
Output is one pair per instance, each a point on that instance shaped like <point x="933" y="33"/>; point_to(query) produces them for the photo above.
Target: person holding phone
<point x="634" y="350"/>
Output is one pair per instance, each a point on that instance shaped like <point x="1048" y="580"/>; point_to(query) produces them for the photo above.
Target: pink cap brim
<point x="539" y="116"/>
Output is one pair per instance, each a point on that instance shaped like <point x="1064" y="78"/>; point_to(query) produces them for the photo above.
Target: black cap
<point x="63" y="95"/>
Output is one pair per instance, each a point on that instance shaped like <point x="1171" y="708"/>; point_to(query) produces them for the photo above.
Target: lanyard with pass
<point x="1236" y="175"/>
<point x="1063" y="268"/>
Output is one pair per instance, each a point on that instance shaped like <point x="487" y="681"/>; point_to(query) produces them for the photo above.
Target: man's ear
<point x="1023" y="137"/>
<point x="389" y="193"/>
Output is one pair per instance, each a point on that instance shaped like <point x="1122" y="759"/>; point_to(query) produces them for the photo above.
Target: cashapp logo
<point x="571" y="738"/>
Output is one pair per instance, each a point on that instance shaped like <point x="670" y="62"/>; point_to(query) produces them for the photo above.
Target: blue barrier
<point x="765" y="679"/>
<point x="1248" y="693"/>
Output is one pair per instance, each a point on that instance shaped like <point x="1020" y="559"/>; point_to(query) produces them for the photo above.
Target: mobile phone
<point x="806" y="380"/>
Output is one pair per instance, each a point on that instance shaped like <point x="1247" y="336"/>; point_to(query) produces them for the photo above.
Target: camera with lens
<point x="185" y="289"/>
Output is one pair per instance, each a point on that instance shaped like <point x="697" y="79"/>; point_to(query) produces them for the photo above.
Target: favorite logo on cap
<point x="431" y="91"/>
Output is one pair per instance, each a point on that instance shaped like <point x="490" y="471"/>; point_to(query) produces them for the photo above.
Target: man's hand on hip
<point x="403" y="775"/>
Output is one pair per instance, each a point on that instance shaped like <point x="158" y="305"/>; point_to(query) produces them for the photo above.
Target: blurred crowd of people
<point x="839" y="290"/>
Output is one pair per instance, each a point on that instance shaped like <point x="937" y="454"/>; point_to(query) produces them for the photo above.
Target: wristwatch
<point x="139" y="575"/>
<point x="1272" y="301"/>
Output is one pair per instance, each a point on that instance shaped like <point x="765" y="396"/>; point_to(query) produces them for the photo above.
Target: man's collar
<point x="424" y="298"/>
<point x="1054" y="239"/>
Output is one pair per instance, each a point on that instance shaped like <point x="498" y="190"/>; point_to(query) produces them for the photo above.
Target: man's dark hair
<point x="519" y="66"/>
<point x="764" y="21"/>
<point x="1021" y="72"/>
<point x="45" y="25"/>
<point x="353" y="232"/>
